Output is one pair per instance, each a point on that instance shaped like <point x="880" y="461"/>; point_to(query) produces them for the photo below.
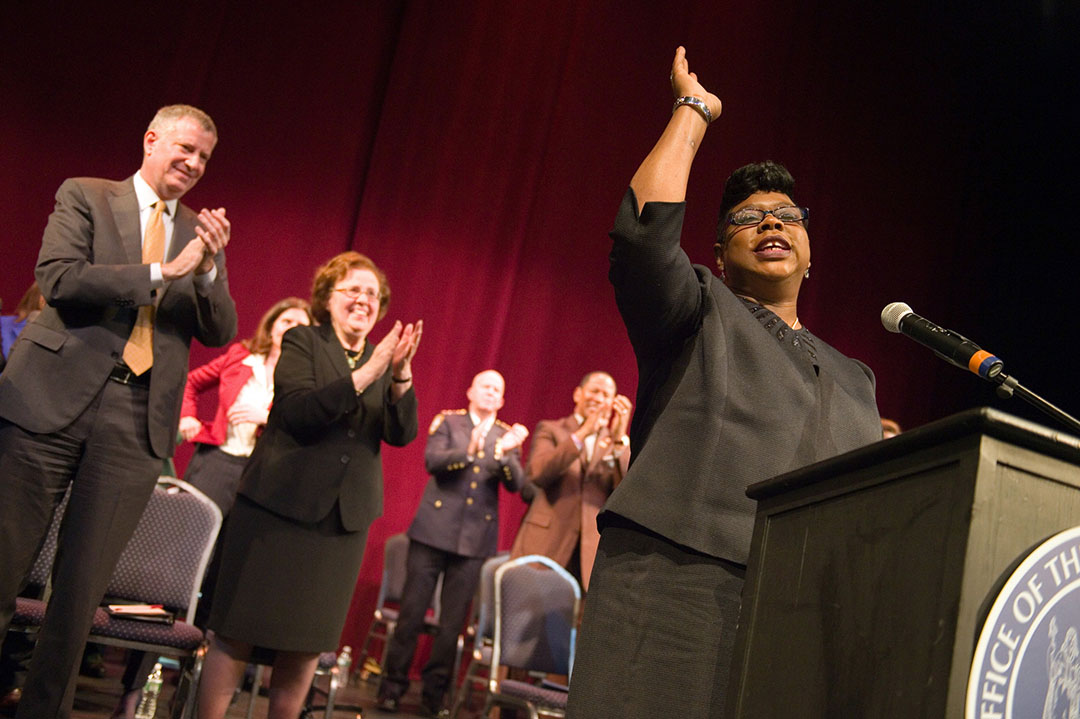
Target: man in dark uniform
<point x="469" y="453"/>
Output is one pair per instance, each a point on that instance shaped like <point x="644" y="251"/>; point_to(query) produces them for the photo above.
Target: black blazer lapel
<point x="332" y="350"/>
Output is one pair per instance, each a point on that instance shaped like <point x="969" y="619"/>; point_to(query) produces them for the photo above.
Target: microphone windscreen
<point x="893" y="313"/>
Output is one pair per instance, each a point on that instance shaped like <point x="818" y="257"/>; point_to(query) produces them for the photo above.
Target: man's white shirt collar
<point x="147" y="197"/>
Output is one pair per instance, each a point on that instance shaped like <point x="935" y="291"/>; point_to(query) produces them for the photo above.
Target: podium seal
<point x="1027" y="659"/>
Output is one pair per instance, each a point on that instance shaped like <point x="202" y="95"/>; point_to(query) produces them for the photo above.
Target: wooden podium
<point x="870" y="574"/>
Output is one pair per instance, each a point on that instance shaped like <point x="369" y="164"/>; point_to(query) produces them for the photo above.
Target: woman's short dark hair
<point x="333" y="272"/>
<point x="765" y="176"/>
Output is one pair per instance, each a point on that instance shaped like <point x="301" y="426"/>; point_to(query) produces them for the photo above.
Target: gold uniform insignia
<point x="441" y="416"/>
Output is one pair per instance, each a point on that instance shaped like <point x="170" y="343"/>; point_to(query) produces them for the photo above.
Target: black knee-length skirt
<point x="283" y="584"/>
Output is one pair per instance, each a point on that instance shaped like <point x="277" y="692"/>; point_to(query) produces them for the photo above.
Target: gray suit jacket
<point x="91" y="273"/>
<point x="725" y="397"/>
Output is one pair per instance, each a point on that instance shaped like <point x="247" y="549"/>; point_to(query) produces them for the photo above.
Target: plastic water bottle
<point x="344" y="664"/>
<point x="148" y="704"/>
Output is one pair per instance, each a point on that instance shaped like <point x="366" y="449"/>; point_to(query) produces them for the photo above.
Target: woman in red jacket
<point x="244" y="380"/>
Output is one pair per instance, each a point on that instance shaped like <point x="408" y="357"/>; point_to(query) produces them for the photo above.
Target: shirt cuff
<point x="156" y="280"/>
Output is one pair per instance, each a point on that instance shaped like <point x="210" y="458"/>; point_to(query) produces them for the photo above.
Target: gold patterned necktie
<point x="139" y="350"/>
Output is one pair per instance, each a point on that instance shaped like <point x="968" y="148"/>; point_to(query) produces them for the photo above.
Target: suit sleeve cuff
<point x="205" y="281"/>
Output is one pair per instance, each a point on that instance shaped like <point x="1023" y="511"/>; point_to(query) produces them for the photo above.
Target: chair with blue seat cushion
<point x="163" y="563"/>
<point x="481" y="630"/>
<point x="384" y="621"/>
<point x="536" y="613"/>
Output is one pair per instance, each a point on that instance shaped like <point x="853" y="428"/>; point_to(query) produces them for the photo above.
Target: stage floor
<point x="97" y="698"/>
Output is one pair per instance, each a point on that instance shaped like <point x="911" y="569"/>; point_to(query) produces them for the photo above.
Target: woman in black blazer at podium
<point x="296" y="536"/>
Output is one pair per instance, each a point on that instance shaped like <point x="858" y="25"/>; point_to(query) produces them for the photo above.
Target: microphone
<point x="950" y="346"/>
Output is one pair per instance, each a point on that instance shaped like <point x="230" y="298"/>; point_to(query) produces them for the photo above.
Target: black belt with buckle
<point x="122" y="373"/>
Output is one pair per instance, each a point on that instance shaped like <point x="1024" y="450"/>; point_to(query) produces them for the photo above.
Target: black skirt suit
<point x="296" y="536"/>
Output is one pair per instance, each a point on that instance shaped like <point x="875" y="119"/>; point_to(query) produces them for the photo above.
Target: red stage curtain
<point x="477" y="151"/>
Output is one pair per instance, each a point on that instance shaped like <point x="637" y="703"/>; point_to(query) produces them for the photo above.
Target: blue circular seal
<point x="1027" y="659"/>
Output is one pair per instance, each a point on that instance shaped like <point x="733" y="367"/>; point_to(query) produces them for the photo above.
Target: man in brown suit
<point x="574" y="464"/>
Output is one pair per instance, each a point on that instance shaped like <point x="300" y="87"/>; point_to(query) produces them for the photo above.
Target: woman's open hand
<point x="684" y="82"/>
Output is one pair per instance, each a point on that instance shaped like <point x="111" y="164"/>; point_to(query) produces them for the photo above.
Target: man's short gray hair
<point x="167" y="116"/>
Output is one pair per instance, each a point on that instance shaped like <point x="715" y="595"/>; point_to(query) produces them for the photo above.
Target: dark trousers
<point x="659" y="630"/>
<point x="14" y="661"/>
<point x="461" y="576"/>
<point x="105" y="456"/>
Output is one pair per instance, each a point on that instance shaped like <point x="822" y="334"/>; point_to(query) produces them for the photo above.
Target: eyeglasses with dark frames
<point x="754" y="215"/>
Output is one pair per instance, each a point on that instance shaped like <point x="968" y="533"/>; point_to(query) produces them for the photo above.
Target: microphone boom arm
<point x="1008" y="386"/>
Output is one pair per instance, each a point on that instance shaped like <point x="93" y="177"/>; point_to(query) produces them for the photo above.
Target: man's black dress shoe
<point x="387" y="704"/>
